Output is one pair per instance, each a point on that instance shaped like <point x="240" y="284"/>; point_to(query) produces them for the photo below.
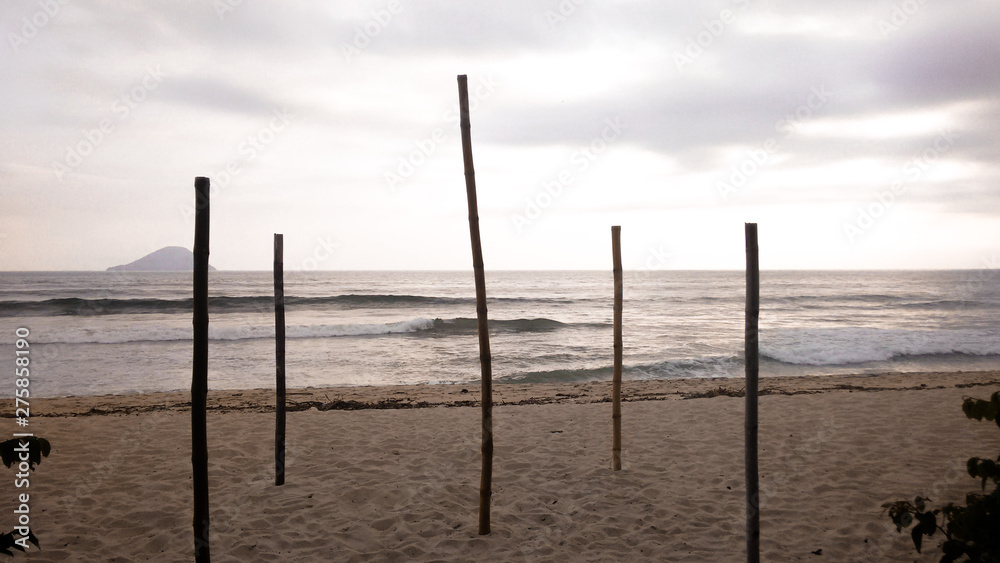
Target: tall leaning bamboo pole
<point x="279" y="355"/>
<point x="751" y="361"/>
<point x="199" y="373"/>
<point x="485" y="360"/>
<point x="616" y="385"/>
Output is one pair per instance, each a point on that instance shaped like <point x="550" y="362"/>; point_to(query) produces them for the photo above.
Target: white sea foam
<point x="854" y="345"/>
<point x="323" y="331"/>
<point x="133" y="331"/>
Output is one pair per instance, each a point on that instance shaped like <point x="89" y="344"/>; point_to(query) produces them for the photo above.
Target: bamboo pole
<point x="199" y="373"/>
<point x="616" y="385"/>
<point x="485" y="360"/>
<point x="279" y="346"/>
<point x="751" y="362"/>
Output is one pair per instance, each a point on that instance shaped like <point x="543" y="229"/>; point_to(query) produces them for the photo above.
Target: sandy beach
<point x="392" y="473"/>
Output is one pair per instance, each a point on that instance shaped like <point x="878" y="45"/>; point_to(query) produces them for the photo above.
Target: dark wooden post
<point x="616" y="385"/>
<point x="199" y="373"/>
<point x="485" y="359"/>
<point x="751" y="362"/>
<point x="279" y="353"/>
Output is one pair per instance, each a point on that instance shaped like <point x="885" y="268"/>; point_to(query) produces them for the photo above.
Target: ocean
<point x="93" y="333"/>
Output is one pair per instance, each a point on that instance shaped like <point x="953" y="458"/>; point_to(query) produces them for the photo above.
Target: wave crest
<point x="116" y="335"/>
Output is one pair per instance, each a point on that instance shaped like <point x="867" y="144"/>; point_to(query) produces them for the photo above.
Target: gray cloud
<point x="214" y="93"/>
<point x="226" y="73"/>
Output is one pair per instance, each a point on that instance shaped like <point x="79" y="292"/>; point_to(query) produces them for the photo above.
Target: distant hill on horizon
<point x="166" y="259"/>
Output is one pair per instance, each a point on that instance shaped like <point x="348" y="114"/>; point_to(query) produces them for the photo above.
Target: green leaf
<point x="992" y="407"/>
<point x="972" y="409"/>
<point x="970" y="530"/>
<point x="980" y="409"/>
<point x="37" y="447"/>
<point x="7" y="543"/>
<point x="985" y="469"/>
<point x="45" y="446"/>
<point x="928" y="523"/>
<point x="917" y="536"/>
<point x="903" y="520"/>
<point x="953" y="548"/>
<point x="972" y="466"/>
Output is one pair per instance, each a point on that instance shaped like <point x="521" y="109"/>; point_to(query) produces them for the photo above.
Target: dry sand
<point x="401" y="484"/>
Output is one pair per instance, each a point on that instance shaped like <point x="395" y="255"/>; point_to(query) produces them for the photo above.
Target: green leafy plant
<point x="973" y="530"/>
<point x="37" y="447"/>
<point x="10" y="453"/>
<point x="7" y="543"/>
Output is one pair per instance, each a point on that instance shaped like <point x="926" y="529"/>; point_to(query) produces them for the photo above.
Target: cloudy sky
<point x="857" y="134"/>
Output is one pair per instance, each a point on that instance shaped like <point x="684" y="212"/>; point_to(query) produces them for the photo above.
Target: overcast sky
<point x="857" y="134"/>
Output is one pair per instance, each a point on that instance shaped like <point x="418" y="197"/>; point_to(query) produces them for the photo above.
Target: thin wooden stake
<point x="751" y="362"/>
<point x="616" y="385"/>
<point x="279" y="353"/>
<point x="199" y="373"/>
<point x="485" y="359"/>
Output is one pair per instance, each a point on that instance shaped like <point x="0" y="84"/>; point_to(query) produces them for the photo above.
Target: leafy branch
<point x="973" y="530"/>
<point x="7" y="543"/>
<point x="10" y="454"/>
<point x="37" y="447"/>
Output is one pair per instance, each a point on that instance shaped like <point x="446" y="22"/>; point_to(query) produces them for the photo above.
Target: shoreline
<point x="505" y="394"/>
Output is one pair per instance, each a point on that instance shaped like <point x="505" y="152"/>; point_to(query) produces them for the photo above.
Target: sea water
<point x="117" y="332"/>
